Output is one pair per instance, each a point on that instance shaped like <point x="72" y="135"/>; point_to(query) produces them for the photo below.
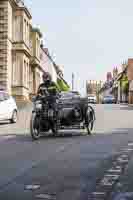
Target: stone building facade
<point x="20" y="62"/>
<point x="15" y="53"/>
<point x="23" y="59"/>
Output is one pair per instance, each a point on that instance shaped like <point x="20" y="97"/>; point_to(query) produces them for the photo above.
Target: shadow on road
<point x="63" y="135"/>
<point x="47" y="136"/>
<point x="26" y="137"/>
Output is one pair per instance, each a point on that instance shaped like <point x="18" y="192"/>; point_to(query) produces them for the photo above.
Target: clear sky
<point x="88" y="37"/>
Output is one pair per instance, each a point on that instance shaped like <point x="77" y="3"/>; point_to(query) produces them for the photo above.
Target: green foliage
<point x="124" y="83"/>
<point x="62" y="86"/>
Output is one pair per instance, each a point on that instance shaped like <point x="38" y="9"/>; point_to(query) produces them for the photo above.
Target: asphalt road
<point x="71" y="166"/>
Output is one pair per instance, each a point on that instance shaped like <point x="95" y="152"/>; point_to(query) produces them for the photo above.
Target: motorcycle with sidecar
<point x="66" y="113"/>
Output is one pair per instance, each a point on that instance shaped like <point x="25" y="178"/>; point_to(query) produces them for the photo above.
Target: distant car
<point x="92" y="99"/>
<point x="109" y="99"/>
<point x="8" y="107"/>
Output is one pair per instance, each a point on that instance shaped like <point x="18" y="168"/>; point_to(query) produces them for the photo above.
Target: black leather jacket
<point x="50" y="87"/>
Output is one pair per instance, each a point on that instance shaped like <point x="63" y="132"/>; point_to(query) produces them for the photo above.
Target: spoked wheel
<point x="89" y="127"/>
<point x="90" y="117"/>
<point x="14" y="117"/>
<point x="34" y="128"/>
<point x="54" y="129"/>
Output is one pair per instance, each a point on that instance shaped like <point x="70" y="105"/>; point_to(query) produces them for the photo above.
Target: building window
<point x="38" y="48"/>
<point x="31" y="47"/>
<point x="30" y="80"/>
<point x="24" y="74"/>
<point x="13" y="69"/>
<point x="21" y="29"/>
<point x="38" y="79"/>
<point x="17" y="29"/>
<point x="25" y="30"/>
<point x="14" y="28"/>
<point x="27" y="34"/>
<point x="16" y="70"/>
<point x="27" y="75"/>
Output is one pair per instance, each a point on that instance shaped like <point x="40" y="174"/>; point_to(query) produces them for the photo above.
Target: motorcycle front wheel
<point x="89" y="122"/>
<point x="34" y="130"/>
<point x="89" y="127"/>
<point x="54" y="128"/>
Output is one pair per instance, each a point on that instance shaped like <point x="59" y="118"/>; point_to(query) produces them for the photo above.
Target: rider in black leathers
<point x="51" y="88"/>
<point x="48" y="84"/>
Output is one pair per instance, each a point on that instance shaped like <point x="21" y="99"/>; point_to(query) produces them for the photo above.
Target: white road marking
<point x="32" y="187"/>
<point x="46" y="196"/>
<point x="114" y="170"/>
<point x="98" y="193"/>
<point x="114" y="177"/>
<point x="130" y="144"/>
<point x="130" y="149"/>
<point x="121" y="160"/>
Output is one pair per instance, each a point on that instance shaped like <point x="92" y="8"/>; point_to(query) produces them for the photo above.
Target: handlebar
<point x="47" y="97"/>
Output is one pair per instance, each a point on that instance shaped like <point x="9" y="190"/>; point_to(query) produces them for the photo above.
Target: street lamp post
<point x="72" y="81"/>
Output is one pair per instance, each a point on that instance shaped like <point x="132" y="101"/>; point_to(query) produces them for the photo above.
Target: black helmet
<point x="47" y="76"/>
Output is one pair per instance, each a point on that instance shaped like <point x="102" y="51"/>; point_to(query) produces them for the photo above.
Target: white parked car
<point x="92" y="99"/>
<point x="8" y="107"/>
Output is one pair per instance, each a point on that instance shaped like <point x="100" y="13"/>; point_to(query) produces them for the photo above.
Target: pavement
<point x="72" y="165"/>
